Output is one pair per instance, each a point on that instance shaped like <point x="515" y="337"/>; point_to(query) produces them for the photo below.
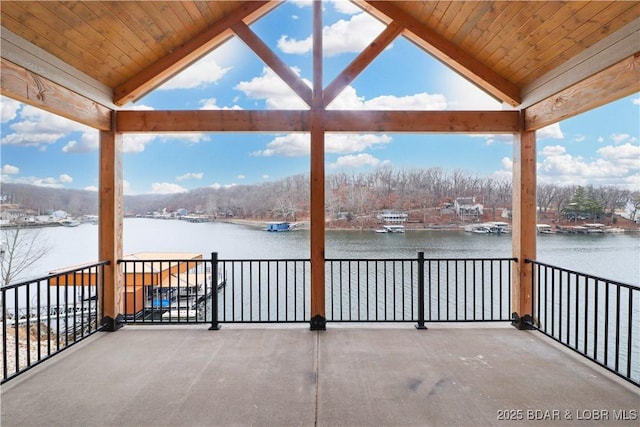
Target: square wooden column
<point x="317" y="235"/>
<point x="524" y="226"/>
<point x="110" y="229"/>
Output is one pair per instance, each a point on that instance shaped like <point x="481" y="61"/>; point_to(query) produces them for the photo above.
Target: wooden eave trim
<point x="25" y="54"/>
<point x="607" y="52"/>
<point x="445" y="51"/>
<point x="273" y="61"/>
<point x="184" y="55"/>
<point x="616" y="82"/>
<point x="25" y="86"/>
<point x="333" y="121"/>
<point x="361" y="62"/>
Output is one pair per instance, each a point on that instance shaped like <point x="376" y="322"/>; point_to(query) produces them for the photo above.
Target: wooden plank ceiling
<point x="521" y="52"/>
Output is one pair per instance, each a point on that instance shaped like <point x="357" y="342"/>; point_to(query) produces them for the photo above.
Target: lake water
<point x="611" y="256"/>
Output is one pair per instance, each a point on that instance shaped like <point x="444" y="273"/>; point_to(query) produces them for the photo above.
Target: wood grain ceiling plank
<point x="503" y="17"/>
<point x="439" y="20"/>
<point x="179" y="10"/>
<point x="181" y="56"/>
<point x="462" y="14"/>
<point x="72" y="45"/>
<point x="515" y="45"/>
<point x="572" y="20"/>
<point x="158" y="43"/>
<point x="102" y="32"/>
<point x="596" y="23"/>
<point x="480" y="18"/>
<point x="133" y="29"/>
<point x="461" y="61"/>
<point x="193" y="12"/>
<point x="505" y="29"/>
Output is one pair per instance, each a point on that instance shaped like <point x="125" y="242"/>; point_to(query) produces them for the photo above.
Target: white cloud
<point x="271" y="88"/>
<point x="624" y="156"/>
<point x="8" y="109"/>
<point x="89" y="141"/>
<point x="241" y="177"/>
<point x="553" y="150"/>
<point x="265" y="177"/>
<point x="190" y="175"/>
<point x="10" y="170"/>
<point x="90" y="188"/>
<point x="356" y="161"/>
<point x="135" y="143"/>
<point x="550" y="132"/>
<point x="210" y="104"/>
<point x="37" y="128"/>
<point x="296" y="144"/>
<point x="343" y="36"/>
<point x="346" y="7"/>
<point x="616" y="165"/>
<point x="205" y="71"/>
<point x="619" y="138"/>
<point x="349" y="100"/>
<point x="65" y="179"/>
<point x="166" y="188"/>
<point x="218" y="186"/>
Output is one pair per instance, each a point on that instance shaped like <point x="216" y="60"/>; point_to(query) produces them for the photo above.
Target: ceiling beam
<point x="446" y="51"/>
<point x="607" y="52"/>
<point x="25" y="86"/>
<point x="422" y="121"/>
<point x="183" y="56"/>
<point x="616" y="82"/>
<point x="25" y="54"/>
<point x="271" y="59"/>
<point x="212" y="121"/>
<point x="274" y="121"/>
<point x="361" y="62"/>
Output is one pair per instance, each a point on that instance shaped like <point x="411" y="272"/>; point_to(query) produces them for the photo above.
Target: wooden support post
<point x="318" y="318"/>
<point x="110" y="229"/>
<point x="524" y="226"/>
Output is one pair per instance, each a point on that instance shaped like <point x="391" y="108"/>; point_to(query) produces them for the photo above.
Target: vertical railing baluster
<point x="214" y="292"/>
<point x="420" y="324"/>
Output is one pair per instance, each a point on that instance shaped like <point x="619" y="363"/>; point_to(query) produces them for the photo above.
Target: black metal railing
<point x="596" y="317"/>
<point x="278" y="290"/>
<point x="170" y="290"/>
<point x="43" y="316"/>
<point x="419" y="290"/>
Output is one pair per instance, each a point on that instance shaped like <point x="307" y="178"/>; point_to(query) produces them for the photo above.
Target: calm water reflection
<point x="616" y="257"/>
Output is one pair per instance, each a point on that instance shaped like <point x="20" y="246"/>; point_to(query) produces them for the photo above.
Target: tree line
<point x="356" y="194"/>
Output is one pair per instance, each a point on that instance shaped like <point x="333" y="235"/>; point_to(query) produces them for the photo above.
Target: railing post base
<point x="215" y="327"/>
<point x="111" y="325"/>
<point x="524" y="323"/>
<point x="318" y="323"/>
<point x="421" y="326"/>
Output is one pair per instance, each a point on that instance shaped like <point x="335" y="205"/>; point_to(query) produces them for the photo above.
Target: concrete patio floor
<point x="470" y="375"/>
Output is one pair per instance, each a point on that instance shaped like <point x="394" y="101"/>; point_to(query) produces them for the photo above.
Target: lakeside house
<point x="467" y="209"/>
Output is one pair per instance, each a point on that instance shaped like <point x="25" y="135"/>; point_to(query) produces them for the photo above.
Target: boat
<point x="487" y="228"/>
<point x="69" y="223"/>
<point x="544" y="229"/>
<point x="279" y="226"/>
<point x="391" y="229"/>
<point x="595" y="227"/>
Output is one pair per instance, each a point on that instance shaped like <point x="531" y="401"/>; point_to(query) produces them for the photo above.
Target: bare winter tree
<point x="21" y="249"/>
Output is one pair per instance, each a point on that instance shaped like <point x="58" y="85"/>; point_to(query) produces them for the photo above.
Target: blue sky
<point x="600" y="147"/>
